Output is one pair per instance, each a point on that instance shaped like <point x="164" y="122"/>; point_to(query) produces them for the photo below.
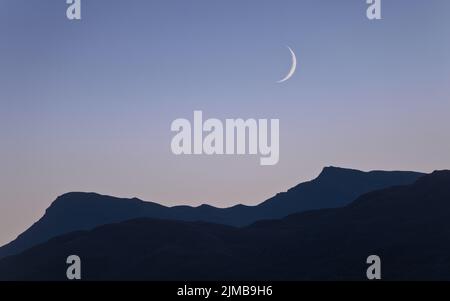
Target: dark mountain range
<point x="335" y="187"/>
<point x="407" y="226"/>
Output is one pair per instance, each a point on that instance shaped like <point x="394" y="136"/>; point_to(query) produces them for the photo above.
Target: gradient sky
<point x="87" y="106"/>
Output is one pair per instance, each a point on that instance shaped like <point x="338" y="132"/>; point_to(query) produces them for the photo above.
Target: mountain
<point x="407" y="226"/>
<point x="334" y="187"/>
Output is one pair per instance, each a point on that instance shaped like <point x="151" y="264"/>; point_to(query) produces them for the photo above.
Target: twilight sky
<point x="87" y="106"/>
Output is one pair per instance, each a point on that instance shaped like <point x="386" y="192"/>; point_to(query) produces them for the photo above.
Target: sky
<point x="87" y="105"/>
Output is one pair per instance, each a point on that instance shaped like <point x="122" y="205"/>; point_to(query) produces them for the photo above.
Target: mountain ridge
<point x="334" y="187"/>
<point x="408" y="226"/>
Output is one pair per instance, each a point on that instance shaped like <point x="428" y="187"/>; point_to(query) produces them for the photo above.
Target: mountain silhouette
<point x="334" y="187"/>
<point x="408" y="227"/>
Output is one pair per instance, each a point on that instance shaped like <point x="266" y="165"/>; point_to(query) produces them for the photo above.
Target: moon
<point x="293" y="67"/>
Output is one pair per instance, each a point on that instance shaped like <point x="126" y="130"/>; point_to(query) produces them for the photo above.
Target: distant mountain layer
<point x="335" y="187"/>
<point x="407" y="226"/>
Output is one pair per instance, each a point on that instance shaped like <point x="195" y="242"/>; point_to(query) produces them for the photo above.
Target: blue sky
<point x="87" y="106"/>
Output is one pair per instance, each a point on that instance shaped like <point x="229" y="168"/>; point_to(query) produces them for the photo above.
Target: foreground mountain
<point x="335" y="187"/>
<point x="407" y="226"/>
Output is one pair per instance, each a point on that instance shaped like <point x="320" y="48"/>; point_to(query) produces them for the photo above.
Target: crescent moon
<point x="293" y="67"/>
